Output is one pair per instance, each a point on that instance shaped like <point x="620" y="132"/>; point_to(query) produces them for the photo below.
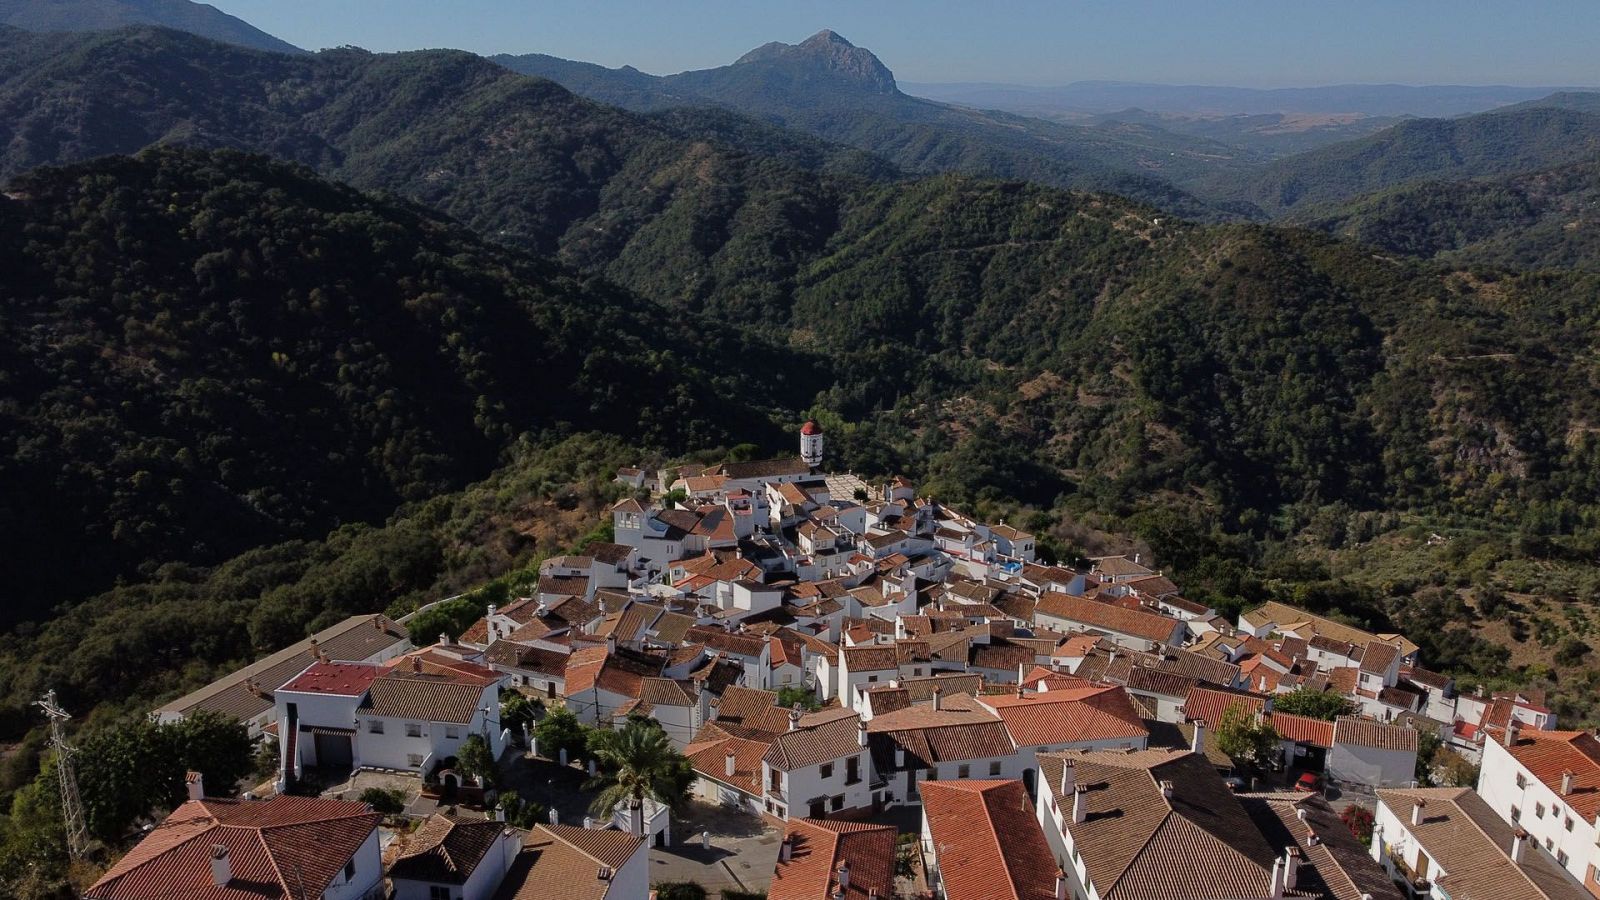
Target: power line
<point x="71" y="803"/>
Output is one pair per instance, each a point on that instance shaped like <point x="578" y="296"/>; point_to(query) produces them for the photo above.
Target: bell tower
<point x="811" y="443"/>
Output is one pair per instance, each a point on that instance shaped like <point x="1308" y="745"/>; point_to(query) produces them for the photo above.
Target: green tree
<point x="1248" y="739"/>
<point x="389" y="801"/>
<point x="516" y="710"/>
<point x="451" y="617"/>
<point x="1325" y="705"/>
<point x="33" y="841"/>
<point x="476" y="759"/>
<point x="790" y="694"/>
<point x="637" y="761"/>
<point x="560" y="730"/>
<point x="124" y="772"/>
<point x="217" y="747"/>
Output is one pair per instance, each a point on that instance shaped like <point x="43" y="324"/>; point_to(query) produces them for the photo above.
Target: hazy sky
<point x="1238" y="42"/>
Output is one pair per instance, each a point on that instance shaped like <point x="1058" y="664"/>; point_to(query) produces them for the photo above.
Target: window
<point x="1516" y="813"/>
<point x="1522" y="781"/>
<point x="413" y="729"/>
<point x="964" y="771"/>
<point x="933" y="775"/>
<point x="994" y="769"/>
<point x="872" y="678"/>
<point x="1549" y="844"/>
<point x="375" y="727"/>
<point x="438" y="892"/>
<point x="1538" y="810"/>
<point x="837" y="803"/>
<point x="1561" y="857"/>
<point x="1568" y="823"/>
<point x="452" y="733"/>
<point x="852" y="770"/>
<point x="414" y="760"/>
<point x="350" y="870"/>
<point x="827" y="770"/>
<point x="777" y="780"/>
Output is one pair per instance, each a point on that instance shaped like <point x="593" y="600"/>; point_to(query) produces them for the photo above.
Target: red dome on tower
<point x="811" y="427"/>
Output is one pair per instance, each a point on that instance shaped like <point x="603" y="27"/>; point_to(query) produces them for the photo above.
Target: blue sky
<point x="1237" y="42"/>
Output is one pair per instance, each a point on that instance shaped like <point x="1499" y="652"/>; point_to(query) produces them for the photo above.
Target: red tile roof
<point x="988" y="844"/>
<point x="1069" y="716"/>
<point x="1106" y="617"/>
<point x="1208" y="704"/>
<point x="342" y="679"/>
<point x="1361" y="732"/>
<point x="278" y="848"/>
<point x="1303" y="729"/>
<point x="817" y="850"/>
<point x="1549" y="754"/>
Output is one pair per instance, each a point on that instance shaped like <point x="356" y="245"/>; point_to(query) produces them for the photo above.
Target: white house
<point x="453" y="859"/>
<point x="1548" y="783"/>
<point x="819" y="767"/>
<point x="563" y="862"/>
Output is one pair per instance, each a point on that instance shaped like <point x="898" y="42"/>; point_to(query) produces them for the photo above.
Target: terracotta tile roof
<point x="620" y="672"/>
<point x="1303" y="729"/>
<point x="655" y="692"/>
<point x="1378" y="656"/>
<point x="277" y="848"/>
<point x="512" y="655"/>
<point x="1069" y="716"/>
<point x="1288" y="618"/>
<point x="870" y="658"/>
<point x="920" y="690"/>
<point x="426" y="698"/>
<point x="754" y="709"/>
<point x="1106" y="617"/>
<point x="1137" y="843"/>
<point x="727" y="641"/>
<point x="610" y="554"/>
<point x="560" y="862"/>
<point x="764" y="468"/>
<point x="1117" y="566"/>
<point x="822" y="738"/>
<point x="887" y="699"/>
<point x="672" y="628"/>
<point x="1343" y="679"/>
<point x="1208" y="704"/>
<point x="1361" y="732"/>
<point x="708" y="753"/>
<point x="1154" y="681"/>
<point x="430" y="661"/>
<point x="445" y="849"/>
<point x="1333" y="864"/>
<point x="342" y="679"/>
<point x="1002" y="654"/>
<point x="1471" y="844"/>
<point x="928" y="745"/>
<point x="817" y="848"/>
<point x="988" y="844"/>
<point x="1548" y="754"/>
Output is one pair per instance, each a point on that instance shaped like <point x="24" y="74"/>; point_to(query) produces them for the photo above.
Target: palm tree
<point x="636" y="762"/>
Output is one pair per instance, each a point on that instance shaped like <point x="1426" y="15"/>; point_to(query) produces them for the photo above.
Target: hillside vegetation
<point x="202" y="353"/>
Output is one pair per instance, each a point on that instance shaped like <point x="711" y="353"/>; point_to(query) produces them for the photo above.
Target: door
<point x="333" y="751"/>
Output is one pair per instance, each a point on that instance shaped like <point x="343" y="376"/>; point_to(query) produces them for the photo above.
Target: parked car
<point x="1309" y="782"/>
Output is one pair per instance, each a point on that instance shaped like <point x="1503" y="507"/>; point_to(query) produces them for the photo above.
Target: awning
<point x="327" y="729"/>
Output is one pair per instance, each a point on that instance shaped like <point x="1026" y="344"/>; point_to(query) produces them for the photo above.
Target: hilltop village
<point x="895" y="699"/>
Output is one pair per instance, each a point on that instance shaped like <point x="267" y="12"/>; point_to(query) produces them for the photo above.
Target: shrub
<point x="389" y="801"/>
<point x="679" y="890"/>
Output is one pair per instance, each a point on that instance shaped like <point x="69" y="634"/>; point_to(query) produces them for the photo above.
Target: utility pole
<point x="71" y="803"/>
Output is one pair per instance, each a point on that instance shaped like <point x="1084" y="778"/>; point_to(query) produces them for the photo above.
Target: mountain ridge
<point x="101" y="15"/>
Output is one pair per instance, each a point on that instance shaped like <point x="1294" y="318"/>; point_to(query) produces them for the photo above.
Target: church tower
<point x="811" y="443"/>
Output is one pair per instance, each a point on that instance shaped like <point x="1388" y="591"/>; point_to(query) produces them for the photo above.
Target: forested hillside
<point x="99" y="15"/>
<point x="1539" y="220"/>
<point x="1520" y="139"/>
<point x="203" y="353"/>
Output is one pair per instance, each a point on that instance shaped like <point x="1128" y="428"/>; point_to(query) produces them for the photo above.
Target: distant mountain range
<point x="1095" y="97"/>
<point x="831" y="88"/>
<point x="99" y="15"/>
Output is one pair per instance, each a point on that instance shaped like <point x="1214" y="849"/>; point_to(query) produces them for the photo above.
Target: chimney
<point x="794" y="718"/>
<point x="195" y="783"/>
<point x="1277" y="879"/>
<point x="843" y="873"/>
<point x="1291" y="867"/>
<point x="1166" y="790"/>
<point x="899" y="757"/>
<point x="1417" y="811"/>
<point x="377" y="622"/>
<point x="1263" y="684"/>
<point x="605" y="873"/>
<point x="728" y="764"/>
<point x="1069" y="777"/>
<point x="416" y="664"/>
<point x="221" y="867"/>
<point x="611" y="643"/>
<point x="861" y="732"/>
<point x="492" y="610"/>
<point x="937" y="690"/>
<point x="1022" y="675"/>
<point x="1513" y="731"/>
<point x="1197" y="744"/>
<point x="1061" y="885"/>
<point x="1566" y="783"/>
<point x="785" y="849"/>
<point x="1080" y="804"/>
<point x="444" y="638"/>
<point x="1519" y="845"/>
